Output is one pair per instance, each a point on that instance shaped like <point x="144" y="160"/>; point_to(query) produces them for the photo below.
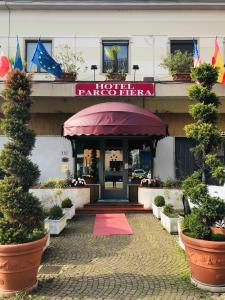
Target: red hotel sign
<point x="124" y="89"/>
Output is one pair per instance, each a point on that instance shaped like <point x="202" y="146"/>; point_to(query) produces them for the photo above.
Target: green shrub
<point x="67" y="203"/>
<point x="178" y="63"/>
<point x="159" y="201"/>
<point x="169" y="211"/>
<point x="21" y="213"/>
<point x="207" y="136"/>
<point x="55" y="212"/>
<point x="56" y="183"/>
<point x="172" y="183"/>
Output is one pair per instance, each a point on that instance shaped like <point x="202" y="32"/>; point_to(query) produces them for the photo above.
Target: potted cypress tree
<point x="22" y="234"/>
<point x="205" y="250"/>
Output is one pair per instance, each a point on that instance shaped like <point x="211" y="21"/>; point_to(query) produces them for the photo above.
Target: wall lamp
<point x="94" y="68"/>
<point x="135" y="68"/>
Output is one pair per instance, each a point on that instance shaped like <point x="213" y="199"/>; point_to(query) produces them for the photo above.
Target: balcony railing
<point x="122" y="65"/>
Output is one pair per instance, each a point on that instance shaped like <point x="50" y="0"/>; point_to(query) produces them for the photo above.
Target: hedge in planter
<point x="206" y="255"/>
<point x="21" y="224"/>
<point x="157" y="206"/>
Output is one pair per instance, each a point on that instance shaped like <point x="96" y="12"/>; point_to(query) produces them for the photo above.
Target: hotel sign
<point x="109" y="89"/>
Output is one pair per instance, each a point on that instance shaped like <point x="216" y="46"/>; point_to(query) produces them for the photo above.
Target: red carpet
<point x="109" y="224"/>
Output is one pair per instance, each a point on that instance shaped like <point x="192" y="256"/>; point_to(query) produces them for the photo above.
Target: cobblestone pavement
<point x="146" y="265"/>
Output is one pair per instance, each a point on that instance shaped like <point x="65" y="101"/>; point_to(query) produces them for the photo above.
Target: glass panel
<point x="114" y="169"/>
<point x="30" y="49"/>
<point x="140" y="165"/>
<point x="88" y="165"/>
<point x="182" y="45"/>
<point x="122" y="56"/>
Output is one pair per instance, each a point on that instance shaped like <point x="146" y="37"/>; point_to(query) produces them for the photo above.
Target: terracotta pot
<point x="182" y="77"/>
<point x="19" y="265"/>
<point x="206" y="260"/>
<point x="217" y="230"/>
<point x="68" y="77"/>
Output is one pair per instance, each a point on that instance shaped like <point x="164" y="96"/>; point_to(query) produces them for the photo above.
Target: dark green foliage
<point x="159" y="201"/>
<point x="67" y="203"/>
<point x="22" y="215"/>
<point x="206" y="75"/>
<point x="172" y="183"/>
<point x="178" y="63"/>
<point x="169" y="211"/>
<point x="208" y="138"/>
<point x="57" y="183"/>
<point x="55" y="212"/>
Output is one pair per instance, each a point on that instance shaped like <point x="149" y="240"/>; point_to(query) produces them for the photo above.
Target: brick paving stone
<point x="145" y="265"/>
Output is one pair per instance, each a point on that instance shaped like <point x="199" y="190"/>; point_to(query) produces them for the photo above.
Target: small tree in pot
<point x="206" y="255"/>
<point x="22" y="234"/>
<point x="114" y="73"/>
<point x="179" y="65"/>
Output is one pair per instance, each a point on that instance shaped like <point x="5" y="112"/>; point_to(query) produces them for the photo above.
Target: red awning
<point x="114" y="118"/>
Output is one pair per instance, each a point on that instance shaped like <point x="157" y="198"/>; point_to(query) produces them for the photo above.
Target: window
<point x="30" y="49"/>
<point x="122" y="56"/>
<point x="182" y="45"/>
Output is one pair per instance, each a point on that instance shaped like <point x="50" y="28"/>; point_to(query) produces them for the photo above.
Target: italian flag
<point x="218" y="62"/>
<point x="4" y="64"/>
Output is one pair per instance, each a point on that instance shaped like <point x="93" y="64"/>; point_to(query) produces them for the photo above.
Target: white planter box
<point x="69" y="212"/>
<point x="156" y="210"/>
<point x="46" y="224"/>
<point x="56" y="226"/>
<point x="48" y="198"/>
<point x="181" y="244"/>
<point x="170" y="224"/>
<point x="147" y="195"/>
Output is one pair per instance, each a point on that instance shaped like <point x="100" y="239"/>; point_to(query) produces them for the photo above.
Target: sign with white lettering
<point x="108" y="89"/>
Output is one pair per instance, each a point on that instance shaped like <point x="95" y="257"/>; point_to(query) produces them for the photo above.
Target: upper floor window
<point x="115" y="60"/>
<point x="182" y="45"/>
<point x="30" y="49"/>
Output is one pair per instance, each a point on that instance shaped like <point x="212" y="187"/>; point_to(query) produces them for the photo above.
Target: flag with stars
<point x="44" y="60"/>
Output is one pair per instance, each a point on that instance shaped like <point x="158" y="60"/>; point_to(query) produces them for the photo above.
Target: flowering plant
<point x="78" y="182"/>
<point x="151" y="182"/>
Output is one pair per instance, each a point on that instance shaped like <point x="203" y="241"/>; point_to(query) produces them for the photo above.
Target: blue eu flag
<point x="18" y="60"/>
<point x="43" y="60"/>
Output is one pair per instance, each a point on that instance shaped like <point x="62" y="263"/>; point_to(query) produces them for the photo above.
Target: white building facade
<point x="146" y="31"/>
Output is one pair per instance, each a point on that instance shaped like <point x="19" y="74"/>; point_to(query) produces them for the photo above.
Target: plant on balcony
<point x="22" y="234"/>
<point x="72" y="63"/>
<point x="206" y="255"/>
<point x="114" y="73"/>
<point x="179" y="65"/>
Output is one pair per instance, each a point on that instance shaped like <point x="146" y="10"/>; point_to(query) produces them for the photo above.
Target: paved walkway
<point x="145" y="265"/>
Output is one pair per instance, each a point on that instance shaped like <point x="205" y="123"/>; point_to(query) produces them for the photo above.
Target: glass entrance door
<point x="114" y="181"/>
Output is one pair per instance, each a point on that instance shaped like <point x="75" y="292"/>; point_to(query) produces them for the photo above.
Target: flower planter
<point x="181" y="244"/>
<point x="68" y="77"/>
<point x="182" y="77"/>
<point x="69" y="212"/>
<point x="146" y="196"/>
<point x="19" y="266"/>
<point x="170" y="224"/>
<point x="207" y="263"/>
<point x="157" y="210"/>
<point x="57" y="226"/>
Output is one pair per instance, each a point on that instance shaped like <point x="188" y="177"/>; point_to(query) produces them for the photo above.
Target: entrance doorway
<point x="114" y="185"/>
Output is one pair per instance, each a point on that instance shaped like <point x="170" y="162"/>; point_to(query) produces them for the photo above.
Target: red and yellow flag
<point x="218" y="62"/>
